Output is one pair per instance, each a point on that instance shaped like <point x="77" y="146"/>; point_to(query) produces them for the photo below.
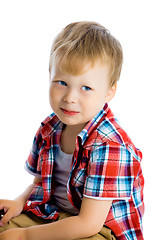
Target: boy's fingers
<point x="3" y="205"/>
<point x="7" y="217"/>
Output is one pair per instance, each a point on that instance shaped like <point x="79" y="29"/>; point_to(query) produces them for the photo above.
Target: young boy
<point x="88" y="179"/>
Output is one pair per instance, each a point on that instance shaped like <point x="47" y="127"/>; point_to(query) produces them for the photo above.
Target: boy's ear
<point x="111" y="93"/>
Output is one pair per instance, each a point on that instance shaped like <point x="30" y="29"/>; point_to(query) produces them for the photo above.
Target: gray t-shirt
<point x="61" y="171"/>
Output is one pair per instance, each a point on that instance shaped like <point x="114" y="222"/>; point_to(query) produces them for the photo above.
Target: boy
<point x="88" y="179"/>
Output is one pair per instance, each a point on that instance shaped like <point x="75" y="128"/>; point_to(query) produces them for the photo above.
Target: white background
<point x="27" y="29"/>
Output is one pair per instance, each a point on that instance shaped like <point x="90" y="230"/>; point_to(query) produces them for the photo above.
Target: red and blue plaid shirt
<point x="105" y="165"/>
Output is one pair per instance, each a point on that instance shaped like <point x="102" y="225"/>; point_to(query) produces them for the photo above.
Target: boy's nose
<point x="71" y="96"/>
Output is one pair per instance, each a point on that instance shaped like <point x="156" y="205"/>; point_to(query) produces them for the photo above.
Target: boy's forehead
<point x="58" y="69"/>
<point x="83" y="68"/>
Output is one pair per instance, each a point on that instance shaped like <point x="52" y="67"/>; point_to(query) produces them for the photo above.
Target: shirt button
<point x="29" y="203"/>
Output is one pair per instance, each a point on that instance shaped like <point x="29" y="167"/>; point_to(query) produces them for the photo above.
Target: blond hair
<point x="81" y="42"/>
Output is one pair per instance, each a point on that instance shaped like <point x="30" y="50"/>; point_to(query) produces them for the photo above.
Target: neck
<point x="68" y="138"/>
<point x="73" y="130"/>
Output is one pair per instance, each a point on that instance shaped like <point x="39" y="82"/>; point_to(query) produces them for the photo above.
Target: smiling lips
<point x="67" y="112"/>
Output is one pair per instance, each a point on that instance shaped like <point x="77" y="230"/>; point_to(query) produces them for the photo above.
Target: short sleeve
<point x="111" y="172"/>
<point x="33" y="163"/>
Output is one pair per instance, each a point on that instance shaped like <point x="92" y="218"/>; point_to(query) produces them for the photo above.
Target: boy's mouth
<point x="68" y="112"/>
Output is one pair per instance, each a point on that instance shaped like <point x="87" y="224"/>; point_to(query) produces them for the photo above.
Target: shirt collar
<point x="93" y="123"/>
<point x="50" y="124"/>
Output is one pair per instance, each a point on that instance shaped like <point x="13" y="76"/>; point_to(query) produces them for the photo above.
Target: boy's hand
<point x="12" y="208"/>
<point x="14" y="234"/>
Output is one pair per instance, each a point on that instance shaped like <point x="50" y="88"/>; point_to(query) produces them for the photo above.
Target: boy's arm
<point x="89" y="222"/>
<point x="13" y="208"/>
<point x="25" y="195"/>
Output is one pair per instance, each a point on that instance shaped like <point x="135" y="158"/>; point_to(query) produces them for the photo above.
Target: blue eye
<point x="86" y="88"/>
<point x="62" y="83"/>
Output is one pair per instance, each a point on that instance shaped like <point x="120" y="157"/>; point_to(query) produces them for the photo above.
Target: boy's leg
<point x="24" y="220"/>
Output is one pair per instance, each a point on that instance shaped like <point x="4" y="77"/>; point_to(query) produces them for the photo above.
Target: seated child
<point x="88" y="180"/>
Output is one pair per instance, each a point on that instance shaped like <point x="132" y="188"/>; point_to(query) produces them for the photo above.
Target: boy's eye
<point x="62" y="83"/>
<point x="86" y="88"/>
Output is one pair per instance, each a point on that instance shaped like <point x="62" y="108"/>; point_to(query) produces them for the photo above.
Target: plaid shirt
<point x="105" y="165"/>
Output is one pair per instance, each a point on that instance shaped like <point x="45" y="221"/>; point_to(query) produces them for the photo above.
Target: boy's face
<point x="77" y="99"/>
